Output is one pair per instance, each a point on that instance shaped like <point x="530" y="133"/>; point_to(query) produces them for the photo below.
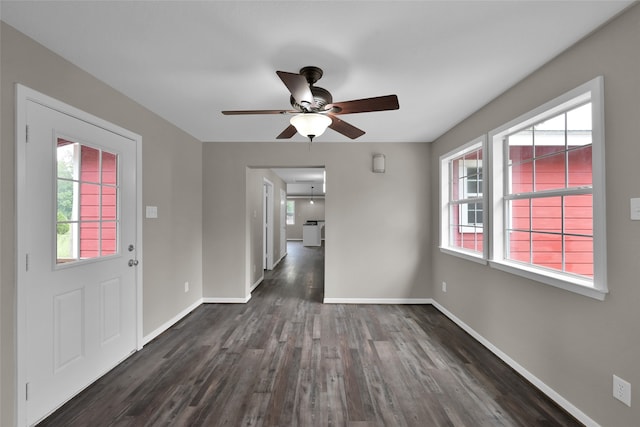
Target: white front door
<point x="78" y="234"/>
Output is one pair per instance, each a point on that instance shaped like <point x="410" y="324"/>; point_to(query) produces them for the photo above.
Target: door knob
<point x="133" y="262"/>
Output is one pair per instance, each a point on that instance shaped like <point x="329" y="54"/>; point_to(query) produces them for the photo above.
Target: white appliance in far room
<point x="312" y="233"/>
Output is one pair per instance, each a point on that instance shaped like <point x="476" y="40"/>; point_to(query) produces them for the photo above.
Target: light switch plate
<point x="152" y="212"/>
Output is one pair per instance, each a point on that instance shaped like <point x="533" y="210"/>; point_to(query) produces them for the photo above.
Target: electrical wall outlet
<point x="622" y="390"/>
<point x="186" y="286"/>
<point x="444" y="286"/>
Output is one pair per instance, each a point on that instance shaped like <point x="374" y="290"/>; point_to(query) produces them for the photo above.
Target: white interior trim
<point x="377" y="301"/>
<point x="226" y="300"/>
<point x="464" y="254"/>
<point x="267" y="215"/>
<point x="562" y="281"/>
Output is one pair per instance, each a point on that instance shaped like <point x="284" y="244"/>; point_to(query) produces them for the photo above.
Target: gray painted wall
<point x="377" y="237"/>
<point x="172" y="181"/>
<point x="574" y="344"/>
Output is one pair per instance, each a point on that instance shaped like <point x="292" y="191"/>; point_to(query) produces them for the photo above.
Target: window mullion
<point x="576" y="191"/>
<point x="467" y="201"/>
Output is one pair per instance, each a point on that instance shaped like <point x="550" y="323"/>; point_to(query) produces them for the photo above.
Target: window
<point x="462" y="216"/>
<point x="545" y="219"/>
<point x="291" y="212"/>
<point x="548" y="193"/>
<point x="471" y="213"/>
<point x="87" y="202"/>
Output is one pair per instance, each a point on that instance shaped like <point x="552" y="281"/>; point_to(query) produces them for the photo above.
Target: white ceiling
<point x="188" y="60"/>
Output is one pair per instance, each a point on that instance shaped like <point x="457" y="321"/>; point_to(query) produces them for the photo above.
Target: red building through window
<point x="542" y="230"/>
<point x="87" y="202"/>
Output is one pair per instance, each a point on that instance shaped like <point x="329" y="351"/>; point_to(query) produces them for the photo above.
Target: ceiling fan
<point x="314" y="109"/>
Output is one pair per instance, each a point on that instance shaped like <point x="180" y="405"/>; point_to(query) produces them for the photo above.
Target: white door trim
<point x="268" y="221"/>
<point x="283" y="224"/>
<point x="23" y="95"/>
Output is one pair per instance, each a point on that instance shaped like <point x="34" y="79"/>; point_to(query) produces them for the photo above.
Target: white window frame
<point x="446" y="245"/>
<point x="591" y="91"/>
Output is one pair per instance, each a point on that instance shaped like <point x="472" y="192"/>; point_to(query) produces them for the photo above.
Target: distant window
<point x="462" y="216"/>
<point x="291" y="212"/>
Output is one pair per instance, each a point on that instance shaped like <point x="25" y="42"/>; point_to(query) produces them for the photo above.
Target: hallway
<point x="286" y="359"/>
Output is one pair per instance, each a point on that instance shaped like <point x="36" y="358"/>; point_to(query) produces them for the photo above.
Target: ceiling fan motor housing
<point x="321" y="98"/>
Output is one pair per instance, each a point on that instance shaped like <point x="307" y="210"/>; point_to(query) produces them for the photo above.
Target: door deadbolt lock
<point x="131" y="248"/>
<point x="133" y="262"/>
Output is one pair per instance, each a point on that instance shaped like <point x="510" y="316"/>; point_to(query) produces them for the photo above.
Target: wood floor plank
<point x="286" y="359"/>
<point x="241" y="391"/>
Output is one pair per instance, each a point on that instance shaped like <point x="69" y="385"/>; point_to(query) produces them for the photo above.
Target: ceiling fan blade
<point x="367" y="105"/>
<point x="237" y="112"/>
<point x="298" y="86"/>
<point x="345" y="128"/>
<point x="287" y="133"/>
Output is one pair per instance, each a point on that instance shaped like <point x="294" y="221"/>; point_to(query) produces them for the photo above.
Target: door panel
<point x="80" y="291"/>
<point x="68" y="340"/>
<point x="110" y="310"/>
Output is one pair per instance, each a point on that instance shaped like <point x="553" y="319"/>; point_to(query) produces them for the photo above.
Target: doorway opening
<point x="280" y="201"/>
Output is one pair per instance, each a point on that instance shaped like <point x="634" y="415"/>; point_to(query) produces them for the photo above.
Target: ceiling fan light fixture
<point x="310" y="125"/>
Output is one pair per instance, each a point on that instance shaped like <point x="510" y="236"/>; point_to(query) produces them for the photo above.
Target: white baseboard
<point x="278" y="261"/>
<point x="226" y="300"/>
<point x="255" y="285"/>
<point x="551" y="393"/>
<point x="169" y="323"/>
<point x="378" y="301"/>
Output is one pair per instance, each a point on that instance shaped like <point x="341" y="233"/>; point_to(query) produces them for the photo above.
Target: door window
<point x="87" y="202"/>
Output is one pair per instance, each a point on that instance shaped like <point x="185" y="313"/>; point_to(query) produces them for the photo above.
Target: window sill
<point x="576" y="285"/>
<point x="471" y="256"/>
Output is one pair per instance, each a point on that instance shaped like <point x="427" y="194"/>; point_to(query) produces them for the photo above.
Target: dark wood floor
<point x="285" y="359"/>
